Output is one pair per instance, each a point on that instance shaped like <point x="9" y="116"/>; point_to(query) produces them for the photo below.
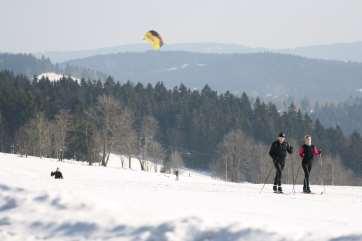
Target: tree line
<point x="88" y="120"/>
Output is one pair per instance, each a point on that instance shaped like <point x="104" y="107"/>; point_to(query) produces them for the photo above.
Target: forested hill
<point x="25" y="64"/>
<point x="30" y="66"/>
<point x="193" y="122"/>
<point x="275" y="76"/>
<point x="259" y="74"/>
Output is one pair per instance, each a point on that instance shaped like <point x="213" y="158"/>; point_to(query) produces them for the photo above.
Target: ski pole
<point x="267" y="177"/>
<point x="293" y="174"/>
<point x="322" y="178"/>
<point x="296" y="178"/>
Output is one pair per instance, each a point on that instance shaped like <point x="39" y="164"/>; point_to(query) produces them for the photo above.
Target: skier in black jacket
<point x="57" y="174"/>
<point x="278" y="152"/>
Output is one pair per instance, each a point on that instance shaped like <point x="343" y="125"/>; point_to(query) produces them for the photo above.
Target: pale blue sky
<point x="41" y="25"/>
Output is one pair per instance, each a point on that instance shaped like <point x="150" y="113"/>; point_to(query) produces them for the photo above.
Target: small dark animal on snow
<point x="57" y="174"/>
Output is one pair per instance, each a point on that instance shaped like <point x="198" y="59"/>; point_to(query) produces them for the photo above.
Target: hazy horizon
<point x="69" y="25"/>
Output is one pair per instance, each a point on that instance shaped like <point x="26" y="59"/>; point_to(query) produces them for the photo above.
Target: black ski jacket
<point x="278" y="151"/>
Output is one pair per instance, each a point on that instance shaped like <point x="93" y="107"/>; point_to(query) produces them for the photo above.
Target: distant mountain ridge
<point x="339" y="51"/>
<point x="275" y="77"/>
<point x="259" y="74"/>
<point x="59" y="57"/>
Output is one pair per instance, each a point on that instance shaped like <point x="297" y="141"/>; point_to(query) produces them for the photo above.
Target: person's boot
<point x="280" y="190"/>
<point x="308" y="190"/>
<point x="305" y="190"/>
<point x="275" y="188"/>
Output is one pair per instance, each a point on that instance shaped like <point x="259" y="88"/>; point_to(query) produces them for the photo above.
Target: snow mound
<point x="115" y="203"/>
<point x="55" y="76"/>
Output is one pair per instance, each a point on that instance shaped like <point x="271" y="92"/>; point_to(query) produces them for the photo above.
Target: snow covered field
<point x="97" y="203"/>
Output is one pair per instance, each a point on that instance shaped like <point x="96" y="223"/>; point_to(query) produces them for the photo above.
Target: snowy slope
<point x="97" y="203"/>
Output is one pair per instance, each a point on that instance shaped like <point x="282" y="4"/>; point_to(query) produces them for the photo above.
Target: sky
<point x="59" y="25"/>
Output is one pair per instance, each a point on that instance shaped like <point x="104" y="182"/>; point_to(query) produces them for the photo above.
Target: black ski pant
<point x="307" y="167"/>
<point x="279" y="166"/>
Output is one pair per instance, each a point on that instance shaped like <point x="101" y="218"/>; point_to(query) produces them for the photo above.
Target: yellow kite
<point x="153" y="38"/>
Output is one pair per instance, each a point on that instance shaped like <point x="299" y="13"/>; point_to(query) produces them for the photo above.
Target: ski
<point x="282" y="193"/>
<point x="313" y="193"/>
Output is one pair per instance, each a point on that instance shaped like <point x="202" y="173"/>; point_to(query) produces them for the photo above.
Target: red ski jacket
<point x="315" y="151"/>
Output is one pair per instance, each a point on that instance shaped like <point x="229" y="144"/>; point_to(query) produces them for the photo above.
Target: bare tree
<point x="116" y="133"/>
<point x="263" y="162"/>
<point x="156" y="154"/>
<point x="25" y="136"/>
<point x="125" y="142"/>
<point x="35" y="137"/>
<point x="93" y="138"/>
<point x="149" y="127"/>
<point x="329" y="170"/>
<point x="108" y="113"/>
<point x="237" y="160"/>
<point x="148" y="133"/>
<point x="176" y="160"/>
<point x="60" y="129"/>
<point x="44" y="136"/>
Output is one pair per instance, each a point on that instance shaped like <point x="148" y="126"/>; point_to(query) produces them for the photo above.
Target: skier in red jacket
<point x="307" y="152"/>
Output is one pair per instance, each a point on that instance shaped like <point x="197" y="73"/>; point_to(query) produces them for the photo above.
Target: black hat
<point x="281" y="134"/>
